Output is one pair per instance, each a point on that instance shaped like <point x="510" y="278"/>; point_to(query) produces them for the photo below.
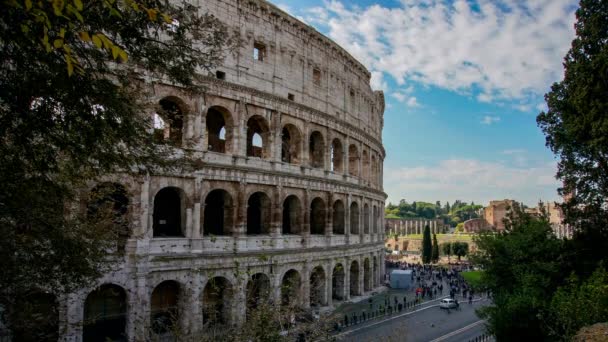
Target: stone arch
<point x="258" y="291"/>
<point x="353" y="160"/>
<point x="108" y="204"/>
<point x="105" y="314"/>
<point x="164" y="307"/>
<point x="40" y="321"/>
<point x="218" y="296"/>
<point x="318" y="293"/>
<point x="169" y="213"/>
<point x="169" y="121"/>
<point x="337" y="153"/>
<point x="292" y="215"/>
<point x="317" y="216"/>
<point x="354" y="218"/>
<point x="355" y="290"/>
<point x="365" y="166"/>
<point x="338" y="217"/>
<point x="258" y="136"/>
<point x="337" y="283"/>
<point x="258" y="214"/>
<point x="367" y="276"/>
<point x="220" y="127"/>
<point x="217" y="218"/>
<point x="316" y="150"/>
<point x="291" y="144"/>
<point x="291" y="288"/>
<point x="365" y="218"/>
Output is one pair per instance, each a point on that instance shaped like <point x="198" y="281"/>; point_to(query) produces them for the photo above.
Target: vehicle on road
<point x="448" y="303"/>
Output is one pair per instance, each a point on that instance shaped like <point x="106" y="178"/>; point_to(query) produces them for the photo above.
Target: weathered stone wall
<point x="333" y="183"/>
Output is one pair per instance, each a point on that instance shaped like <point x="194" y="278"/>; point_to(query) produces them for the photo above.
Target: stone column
<point x="361" y="277"/>
<point x="239" y="303"/>
<point x="345" y="165"/>
<point x="346" y="279"/>
<point x="239" y="137"/>
<point x="328" y="284"/>
<point x="305" y="289"/>
<point x="145" y="218"/>
<point x="276" y="212"/>
<point x="305" y="145"/>
<point x="240" y="227"/>
<point x="306" y="219"/>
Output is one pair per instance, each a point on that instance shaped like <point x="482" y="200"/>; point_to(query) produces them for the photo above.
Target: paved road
<point x="430" y="323"/>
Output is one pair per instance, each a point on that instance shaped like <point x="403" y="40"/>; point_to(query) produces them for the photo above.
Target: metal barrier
<point x="482" y="338"/>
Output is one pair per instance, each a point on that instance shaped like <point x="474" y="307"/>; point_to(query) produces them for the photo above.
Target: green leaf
<point x="123" y="55"/>
<point x="84" y="36"/>
<point x="78" y="4"/>
<point x="58" y="43"/>
<point x="115" y="50"/>
<point x="97" y="41"/>
<point x="28" y="4"/>
<point x="68" y="61"/>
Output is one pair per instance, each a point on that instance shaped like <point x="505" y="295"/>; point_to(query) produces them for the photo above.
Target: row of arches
<point x="219" y="213"/>
<point x="169" y="118"/>
<point x="106" y="308"/>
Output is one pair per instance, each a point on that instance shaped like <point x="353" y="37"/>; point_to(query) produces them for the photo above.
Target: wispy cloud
<point x="507" y="50"/>
<point x="488" y="120"/>
<point x="474" y="179"/>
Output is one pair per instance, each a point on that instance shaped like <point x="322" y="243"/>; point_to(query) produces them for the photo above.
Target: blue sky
<point x="463" y="82"/>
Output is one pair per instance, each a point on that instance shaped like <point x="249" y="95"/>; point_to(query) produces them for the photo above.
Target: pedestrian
<point x="470" y="299"/>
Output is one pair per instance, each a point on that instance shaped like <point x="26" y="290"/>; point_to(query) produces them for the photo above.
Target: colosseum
<point x="288" y="189"/>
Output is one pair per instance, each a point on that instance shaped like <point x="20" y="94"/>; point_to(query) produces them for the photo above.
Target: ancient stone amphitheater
<point x="288" y="190"/>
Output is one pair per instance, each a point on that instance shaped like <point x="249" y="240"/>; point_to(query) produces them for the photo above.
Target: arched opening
<point x="164" y="308"/>
<point x="317" y="287"/>
<point x="365" y="219"/>
<point x="375" y="273"/>
<point x="169" y="122"/>
<point x="35" y="318"/>
<point x="169" y="208"/>
<point x="367" y="285"/>
<point x="337" y="155"/>
<point x="217" y="301"/>
<point x="258" y="214"/>
<point x="338" y="217"/>
<point x="219" y="130"/>
<point x="108" y="205"/>
<point x="353" y="160"/>
<point x="316" y="148"/>
<point x="354" y="279"/>
<point x="258" y="291"/>
<point x="365" y="166"/>
<point x="354" y="218"/>
<point x="291" y="142"/>
<point x="257" y="137"/>
<point x="291" y="288"/>
<point x="376" y="219"/>
<point x="218" y="213"/>
<point x="292" y="215"/>
<point x="374" y="170"/>
<point x="337" y="283"/>
<point x="317" y="216"/>
<point x="105" y="314"/>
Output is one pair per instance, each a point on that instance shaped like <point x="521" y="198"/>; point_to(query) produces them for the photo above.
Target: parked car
<point x="448" y="303"/>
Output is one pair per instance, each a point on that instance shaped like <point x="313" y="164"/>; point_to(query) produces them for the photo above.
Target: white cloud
<point x="488" y="120"/>
<point x="470" y="179"/>
<point x="412" y="102"/>
<point x="506" y="50"/>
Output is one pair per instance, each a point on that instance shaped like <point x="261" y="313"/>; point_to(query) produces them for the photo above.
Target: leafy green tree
<point x="522" y="267"/>
<point x="576" y="130"/>
<point x="72" y="108"/>
<point x="435" y="251"/>
<point x="460" y="249"/>
<point x="427" y="249"/>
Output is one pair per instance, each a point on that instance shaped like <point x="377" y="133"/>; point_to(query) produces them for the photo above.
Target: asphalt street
<point x="429" y="323"/>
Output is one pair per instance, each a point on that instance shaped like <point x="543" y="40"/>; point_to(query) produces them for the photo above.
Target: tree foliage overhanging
<point x="73" y="109"/>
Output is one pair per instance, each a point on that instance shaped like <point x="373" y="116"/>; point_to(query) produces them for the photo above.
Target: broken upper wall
<point x="285" y="57"/>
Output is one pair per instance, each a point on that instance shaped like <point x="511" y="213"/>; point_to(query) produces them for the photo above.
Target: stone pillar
<point x="239" y="303"/>
<point x="240" y="227"/>
<point x="306" y="219"/>
<point x="361" y="277"/>
<point x="328" y="284"/>
<point x="305" y="289"/>
<point x="145" y="217"/>
<point x="239" y="137"/>
<point x="276" y="212"/>
<point x="345" y="165"/>
<point x="305" y="143"/>
<point x="276" y="136"/>
<point x="346" y="279"/>
<point x="347" y="219"/>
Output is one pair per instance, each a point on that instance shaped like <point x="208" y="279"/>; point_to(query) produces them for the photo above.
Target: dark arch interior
<point x="290" y="288"/>
<point x="317" y="216"/>
<point x="354" y="218"/>
<point x="317" y="287"/>
<point x="316" y="148"/>
<point x="217" y="297"/>
<point x="173" y="118"/>
<point x="337" y="282"/>
<point x="217" y="131"/>
<point x="290" y="142"/>
<point x="291" y="215"/>
<point x="256" y="125"/>
<point x="167" y="215"/>
<point x="336" y="156"/>
<point x="258" y="291"/>
<point x="258" y="214"/>
<point x="36" y="318"/>
<point x="164" y="310"/>
<point x="218" y="213"/>
<point x="338" y="217"/>
<point x="105" y="314"/>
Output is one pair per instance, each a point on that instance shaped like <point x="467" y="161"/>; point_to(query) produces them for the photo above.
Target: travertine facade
<point x="287" y="188"/>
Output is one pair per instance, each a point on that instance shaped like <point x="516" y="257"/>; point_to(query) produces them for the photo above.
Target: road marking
<point x="456" y="332"/>
<point x="399" y="316"/>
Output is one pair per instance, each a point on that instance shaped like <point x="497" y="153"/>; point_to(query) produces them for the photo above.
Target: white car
<point x="448" y="303"/>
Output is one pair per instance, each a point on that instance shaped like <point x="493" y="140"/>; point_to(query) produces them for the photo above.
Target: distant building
<point x="496" y="212"/>
<point x="476" y="225"/>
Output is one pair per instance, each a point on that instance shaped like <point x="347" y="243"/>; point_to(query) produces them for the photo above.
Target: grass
<point x="473" y="278"/>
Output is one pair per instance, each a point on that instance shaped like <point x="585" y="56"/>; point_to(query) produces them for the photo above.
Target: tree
<point x="427" y="249"/>
<point x="522" y="267"/>
<point x="447" y="249"/>
<point x="72" y="109"/>
<point x="460" y="249"/>
<point x="576" y="130"/>
<point x="435" y="251"/>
